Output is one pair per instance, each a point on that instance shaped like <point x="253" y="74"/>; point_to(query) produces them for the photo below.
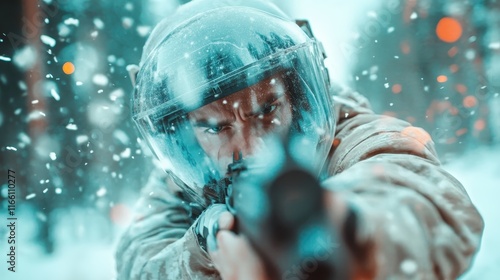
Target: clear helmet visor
<point x="217" y="99"/>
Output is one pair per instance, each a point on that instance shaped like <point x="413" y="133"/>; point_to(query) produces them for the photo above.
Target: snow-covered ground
<point x="85" y="242"/>
<point x="83" y="248"/>
<point x="479" y="171"/>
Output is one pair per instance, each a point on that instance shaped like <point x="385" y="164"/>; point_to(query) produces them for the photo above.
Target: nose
<point x="247" y="140"/>
<point x="243" y="141"/>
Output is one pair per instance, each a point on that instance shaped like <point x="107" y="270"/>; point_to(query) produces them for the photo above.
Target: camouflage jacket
<point x="415" y="220"/>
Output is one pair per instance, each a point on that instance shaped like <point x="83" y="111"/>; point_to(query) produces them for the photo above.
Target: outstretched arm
<point x="160" y="243"/>
<point x="412" y="218"/>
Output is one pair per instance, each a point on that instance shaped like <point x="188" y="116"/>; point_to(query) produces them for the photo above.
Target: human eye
<point x="269" y="108"/>
<point x="214" y="129"/>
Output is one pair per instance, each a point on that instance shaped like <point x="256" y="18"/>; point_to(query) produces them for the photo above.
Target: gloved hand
<point x="206" y="226"/>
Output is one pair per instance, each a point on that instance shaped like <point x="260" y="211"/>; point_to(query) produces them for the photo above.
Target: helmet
<point x="216" y="63"/>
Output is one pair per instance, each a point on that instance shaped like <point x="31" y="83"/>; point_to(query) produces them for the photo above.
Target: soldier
<point x="219" y="77"/>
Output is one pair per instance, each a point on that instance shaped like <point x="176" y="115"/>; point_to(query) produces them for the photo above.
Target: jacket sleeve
<point x="413" y="219"/>
<point x="160" y="243"/>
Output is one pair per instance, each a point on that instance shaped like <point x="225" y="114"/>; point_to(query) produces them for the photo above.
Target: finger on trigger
<point x="226" y="221"/>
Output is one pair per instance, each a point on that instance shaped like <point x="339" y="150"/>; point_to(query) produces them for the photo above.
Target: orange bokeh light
<point x="396" y="88"/>
<point x="470" y="101"/>
<point x="461" y="132"/>
<point x="68" y="68"/>
<point x="442" y="78"/>
<point x="336" y="142"/>
<point x="479" y="124"/>
<point x="453" y="51"/>
<point x="454" y="68"/>
<point x="449" y="30"/>
<point x="451" y="140"/>
<point x="405" y="47"/>
<point x="461" y="88"/>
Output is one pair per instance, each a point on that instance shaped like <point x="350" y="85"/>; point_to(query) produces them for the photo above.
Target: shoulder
<point x="348" y="102"/>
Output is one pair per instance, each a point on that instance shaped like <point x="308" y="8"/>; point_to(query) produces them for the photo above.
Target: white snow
<point x="470" y="54"/>
<point x="127" y="22"/>
<point x="72" y="126"/>
<point x="23" y="137"/>
<point x="74" y="257"/>
<point x="494" y="46"/>
<point x="72" y="21"/>
<point x="143" y="30"/>
<point x="408" y="266"/>
<point x="99" y="24"/>
<point x="101" y="192"/>
<point x="129" y="6"/>
<point x="63" y="30"/>
<point x="100" y="79"/>
<point x="54" y="94"/>
<point x="103" y="113"/>
<point x="22" y="85"/>
<point x="80" y="139"/>
<point x="126" y="153"/>
<point x="84" y="247"/>
<point x="34" y="115"/>
<point x="117" y="93"/>
<point x="48" y="40"/>
<point x="479" y="172"/>
<point x="25" y="58"/>
<point x="41" y="216"/>
<point x="82" y="242"/>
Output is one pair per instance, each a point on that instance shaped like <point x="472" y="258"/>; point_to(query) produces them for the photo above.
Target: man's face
<point x="238" y="122"/>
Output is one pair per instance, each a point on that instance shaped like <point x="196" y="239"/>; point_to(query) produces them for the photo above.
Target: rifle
<point x="283" y="217"/>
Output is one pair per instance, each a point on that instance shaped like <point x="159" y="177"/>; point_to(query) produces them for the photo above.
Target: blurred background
<point x="66" y="128"/>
